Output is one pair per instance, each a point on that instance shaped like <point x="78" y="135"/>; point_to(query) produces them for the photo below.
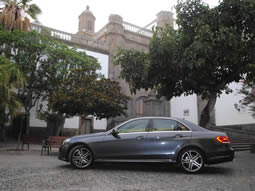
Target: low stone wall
<point x="242" y="127"/>
<point x="68" y="132"/>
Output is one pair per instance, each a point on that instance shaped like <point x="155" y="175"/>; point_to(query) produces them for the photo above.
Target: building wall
<point x="100" y="124"/>
<point x="118" y="37"/>
<point x="72" y="123"/>
<point x="185" y="107"/>
<point x="34" y="121"/>
<point x="226" y="113"/>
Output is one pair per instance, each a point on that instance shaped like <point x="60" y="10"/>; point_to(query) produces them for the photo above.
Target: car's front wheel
<point x="80" y="157"/>
<point x="191" y="160"/>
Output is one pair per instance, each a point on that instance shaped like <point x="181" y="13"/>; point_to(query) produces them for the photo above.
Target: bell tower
<point x="87" y="23"/>
<point x="165" y="17"/>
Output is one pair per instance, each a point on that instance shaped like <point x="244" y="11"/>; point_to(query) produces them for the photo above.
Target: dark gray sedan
<point x="150" y="139"/>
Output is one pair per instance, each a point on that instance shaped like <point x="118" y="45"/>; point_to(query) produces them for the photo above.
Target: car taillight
<point x="223" y="139"/>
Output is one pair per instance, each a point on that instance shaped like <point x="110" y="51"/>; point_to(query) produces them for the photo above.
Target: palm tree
<point x="11" y="78"/>
<point x="13" y="14"/>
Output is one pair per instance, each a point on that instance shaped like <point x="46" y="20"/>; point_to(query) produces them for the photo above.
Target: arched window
<point x="89" y="25"/>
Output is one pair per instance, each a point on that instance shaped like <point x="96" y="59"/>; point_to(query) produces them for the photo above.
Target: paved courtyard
<point x="27" y="170"/>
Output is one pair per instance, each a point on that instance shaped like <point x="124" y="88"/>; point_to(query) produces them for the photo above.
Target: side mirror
<point x="115" y="132"/>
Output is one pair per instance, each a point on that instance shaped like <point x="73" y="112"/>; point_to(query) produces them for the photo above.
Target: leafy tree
<point x="27" y="50"/>
<point x="51" y="67"/>
<point x="211" y="48"/>
<point x="12" y="15"/>
<point x="10" y="78"/>
<point x="61" y="60"/>
<point x="76" y="89"/>
<point x="83" y="94"/>
<point x="248" y="101"/>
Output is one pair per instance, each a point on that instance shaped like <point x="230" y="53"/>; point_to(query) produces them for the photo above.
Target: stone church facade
<point x="120" y="34"/>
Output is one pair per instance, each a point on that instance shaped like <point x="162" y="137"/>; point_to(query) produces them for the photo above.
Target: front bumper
<point x="63" y="152"/>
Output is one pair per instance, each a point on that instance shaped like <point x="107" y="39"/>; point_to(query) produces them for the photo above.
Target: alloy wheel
<point x="192" y="161"/>
<point x="81" y="157"/>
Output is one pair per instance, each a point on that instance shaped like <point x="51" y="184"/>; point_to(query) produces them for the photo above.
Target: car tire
<point x="191" y="160"/>
<point x="80" y="157"/>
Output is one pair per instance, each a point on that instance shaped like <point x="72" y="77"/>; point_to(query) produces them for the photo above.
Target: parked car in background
<point x="150" y="139"/>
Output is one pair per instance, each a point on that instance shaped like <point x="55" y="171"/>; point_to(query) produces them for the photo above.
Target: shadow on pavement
<point x="148" y="167"/>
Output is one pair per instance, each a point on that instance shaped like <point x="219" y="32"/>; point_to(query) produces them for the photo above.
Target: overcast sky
<point x="63" y="14"/>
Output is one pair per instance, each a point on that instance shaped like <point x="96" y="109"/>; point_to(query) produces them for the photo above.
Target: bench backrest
<point x="56" y="140"/>
<point x="33" y="139"/>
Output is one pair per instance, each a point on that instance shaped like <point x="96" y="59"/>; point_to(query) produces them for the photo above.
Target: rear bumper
<point x="220" y="157"/>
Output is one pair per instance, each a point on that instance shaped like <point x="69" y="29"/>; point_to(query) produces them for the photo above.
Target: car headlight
<point x="66" y="141"/>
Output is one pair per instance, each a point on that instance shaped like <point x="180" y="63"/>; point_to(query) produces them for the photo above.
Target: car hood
<point x="89" y="135"/>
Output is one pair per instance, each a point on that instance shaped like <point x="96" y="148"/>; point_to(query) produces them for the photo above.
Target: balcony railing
<point x="73" y="38"/>
<point x="136" y="29"/>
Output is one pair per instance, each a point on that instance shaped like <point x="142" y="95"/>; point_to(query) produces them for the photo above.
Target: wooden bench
<point x="52" y="142"/>
<point x="36" y="140"/>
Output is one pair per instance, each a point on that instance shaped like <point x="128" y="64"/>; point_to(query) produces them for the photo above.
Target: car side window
<point x="134" y="126"/>
<point x="168" y="125"/>
<point x="181" y="127"/>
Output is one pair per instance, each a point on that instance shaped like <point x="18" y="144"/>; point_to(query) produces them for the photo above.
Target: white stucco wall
<point x="100" y="124"/>
<point x="34" y="121"/>
<point x="72" y="123"/>
<point x="182" y="103"/>
<point x="226" y="114"/>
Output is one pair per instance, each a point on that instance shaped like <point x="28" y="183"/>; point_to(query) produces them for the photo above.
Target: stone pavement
<point x="27" y="170"/>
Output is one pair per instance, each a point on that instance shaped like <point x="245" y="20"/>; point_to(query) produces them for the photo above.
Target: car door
<point x="164" y="138"/>
<point x="128" y="143"/>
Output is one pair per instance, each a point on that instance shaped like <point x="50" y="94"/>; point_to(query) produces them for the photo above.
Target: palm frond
<point x="10" y="79"/>
<point x="7" y="1"/>
<point x="33" y="11"/>
<point x="25" y="2"/>
<point x="11" y="16"/>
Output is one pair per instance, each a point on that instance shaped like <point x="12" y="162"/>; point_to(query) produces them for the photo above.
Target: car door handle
<point x="140" y="138"/>
<point x="178" y="136"/>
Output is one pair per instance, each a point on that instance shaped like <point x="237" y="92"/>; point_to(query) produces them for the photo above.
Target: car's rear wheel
<point x="191" y="160"/>
<point x="80" y="157"/>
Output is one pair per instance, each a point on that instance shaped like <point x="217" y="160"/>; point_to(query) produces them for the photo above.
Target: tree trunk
<point x="27" y="118"/>
<point x="2" y="133"/>
<point x="54" y="127"/>
<point x="20" y="132"/>
<point x="59" y="126"/>
<point x="205" y="114"/>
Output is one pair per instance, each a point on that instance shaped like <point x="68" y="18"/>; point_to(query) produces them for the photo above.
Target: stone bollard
<point x="253" y="148"/>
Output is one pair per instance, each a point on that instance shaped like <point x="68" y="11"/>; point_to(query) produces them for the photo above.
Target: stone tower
<point x="87" y="23"/>
<point x="165" y="17"/>
<point x="116" y="34"/>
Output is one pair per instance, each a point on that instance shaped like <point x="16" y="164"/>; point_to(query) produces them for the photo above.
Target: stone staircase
<point x="240" y="140"/>
<point x="242" y="145"/>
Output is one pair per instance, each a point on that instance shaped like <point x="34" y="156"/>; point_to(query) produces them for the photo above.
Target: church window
<point x="89" y="25"/>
